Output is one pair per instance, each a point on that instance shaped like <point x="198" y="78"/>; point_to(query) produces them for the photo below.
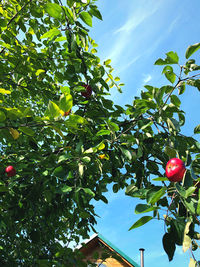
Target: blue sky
<point x="133" y="34"/>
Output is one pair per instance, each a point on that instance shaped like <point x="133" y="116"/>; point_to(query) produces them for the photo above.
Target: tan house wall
<point x="110" y="262"/>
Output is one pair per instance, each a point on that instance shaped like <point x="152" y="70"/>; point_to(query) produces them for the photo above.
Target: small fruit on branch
<point x="175" y="170"/>
<point x="10" y="170"/>
<point x="88" y="91"/>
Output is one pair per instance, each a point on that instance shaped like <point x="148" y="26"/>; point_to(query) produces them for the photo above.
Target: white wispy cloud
<point x="164" y="36"/>
<point x="147" y="78"/>
<point x="138" y="15"/>
<point x="123" y="36"/>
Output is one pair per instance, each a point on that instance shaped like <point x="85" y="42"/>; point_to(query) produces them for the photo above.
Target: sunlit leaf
<point x="141" y="222"/>
<point x="85" y="16"/>
<point x="66" y="102"/>
<point x="103" y="132"/>
<point x="153" y="197"/>
<point x="197" y="129"/>
<point x="50" y="34"/>
<point x="187" y="240"/>
<point x="4" y="91"/>
<point x="192" y="263"/>
<point x="192" y="49"/>
<point x="89" y="192"/>
<point x="14" y="133"/>
<point x="54" y="10"/>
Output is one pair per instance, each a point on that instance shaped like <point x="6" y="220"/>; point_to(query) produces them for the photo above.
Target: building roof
<point x="108" y="244"/>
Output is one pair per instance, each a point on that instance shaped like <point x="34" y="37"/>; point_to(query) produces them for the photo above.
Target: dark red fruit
<point x="88" y="91"/>
<point x="10" y="170"/>
<point x="175" y="170"/>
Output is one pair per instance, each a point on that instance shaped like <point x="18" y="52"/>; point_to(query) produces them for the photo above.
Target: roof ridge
<point x="118" y="250"/>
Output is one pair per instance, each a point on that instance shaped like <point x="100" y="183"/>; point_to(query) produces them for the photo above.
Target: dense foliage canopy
<point x="67" y="145"/>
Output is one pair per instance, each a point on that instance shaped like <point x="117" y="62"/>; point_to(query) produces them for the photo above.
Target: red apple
<point x="10" y="170"/>
<point x="88" y="91"/>
<point x="175" y="170"/>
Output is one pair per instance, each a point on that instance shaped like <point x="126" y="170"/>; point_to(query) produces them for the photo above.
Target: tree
<point x="67" y="146"/>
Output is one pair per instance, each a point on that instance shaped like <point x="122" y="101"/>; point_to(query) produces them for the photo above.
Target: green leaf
<point x="117" y="79"/>
<point x="86" y="159"/>
<point x="89" y="192"/>
<point x="177" y="230"/>
<point x="188" y="181"/>
<point x="198" y="207"/>
<point x="175" y="100"/>
<point x="27" y="131"/>
<point x="161" y="179"/>
<point x="160" y="61"/>
<point x="85" y="16"/>
<point x="172" y="58"/>
<point x="171" y="152"/>
<point x="103" y="132"/>
<point x="66" y="102"/>
<point x="95" y="12"/>
<point x="69" y="14"/>
<point x="192" y="49"/>
<point x="60" y="172"/>
<point x="100" y="146"/>
<point x="181" y="88"/>
<point x="197" y="129"/>
<point x="113" y="126"/>
<point x="63" y="158"/>
<point x="141" y="222"/>
<point x="159" y="95"/>
<point x="50" y="34"/>
<point x="107" y="62"/>
<point x="153" y="196"/>
<point x="169" y="245"/>
<point x="126" y="153"/>
<point x="66" y="189"/>
<point x="190" y="191"/>
<point x="76" y="119"/>
<point x="180" y="190"/>
<point x="2" y="116"/>
<point x="131" y="188"/>
<point x="3" y="188"/>
<point x="81" y="169"/>
<point x="190" y="205"/>
<point x="54" y="10"/>
<point x="39" y="71"/>
<point x="54" y="110"/>
<point x="4" y="91"/>
<point x="84" y="215"/>
<point x="141" y="208"/>
<point x="115" y="188"/>
<point x="171" y="126"/>
<point x="169" y="74"/>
